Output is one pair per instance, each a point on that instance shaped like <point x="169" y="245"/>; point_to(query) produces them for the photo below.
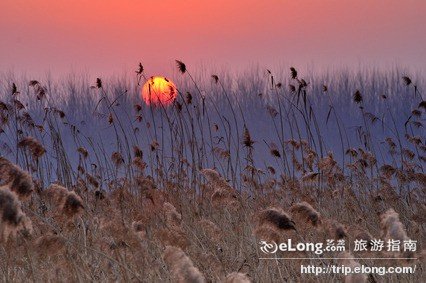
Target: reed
<point x="96" y="186"/>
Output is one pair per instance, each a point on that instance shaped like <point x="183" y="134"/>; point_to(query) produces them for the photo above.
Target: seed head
<point x="181" y="66"/>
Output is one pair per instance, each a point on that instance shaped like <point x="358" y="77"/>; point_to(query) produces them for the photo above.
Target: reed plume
<point x="359" y="233"/>
<point x="310" y="177"/>
<point x="347" y="259"/>
<point x="223" y="193"/>
<point x="12" y="218"/>
<point x="84" y="153"/>
<point x="214" y="177"/>
<point x="335" y="229"/>
<point x="211" y="229"/>
<point x="357" y="97"/>
<point x="173" y="233"/>
<point x="137" y="107"/>
<point x="139" y="163"/>
<point x="117" y="159"/>
<point x="98" y="83"/>
<point x="277" y="218"/>
<point x="307" y="212"/>
<point x="274" y="150"/>
<point x="181" y="267"/>
<point x="154" y="145"/>
<point x="407" y="81"/>
<point x="39" y="89"/>
<point x="272" y="111"/>
<point x="391" y="226"/>
<point x="17" y="180"/>
<point x="188" y="98"/>
<point x="173" y="217"/>
<point x="92" y="180"/>
<point x="387" y="170"/>
<point x="18" y="104"/>
<point x="181" y="66"/>
<point x="14" y="89"/>
<point x="268" y="233"/>
<point x="73" y="205"/>
<point x="215" y="78"/>
<point x="293" y="73"/>
<point x="34" y="146"/>
<point x="137" y="152"/>
<point x="247" y="141"/>
<point x="237" y="277"/>
<point x="140" y="69"/>
<point x="67" y="202"/>
<point x="56" y="193"/>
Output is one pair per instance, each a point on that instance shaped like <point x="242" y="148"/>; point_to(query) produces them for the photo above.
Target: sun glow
<point x="159" y="91"/>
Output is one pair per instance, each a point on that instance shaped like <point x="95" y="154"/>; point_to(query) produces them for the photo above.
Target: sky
<point x="105" y="37"/>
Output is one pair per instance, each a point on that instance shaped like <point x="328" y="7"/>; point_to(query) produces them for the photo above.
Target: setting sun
<point x="159" y="91"/>
<point x="212" y="141"/>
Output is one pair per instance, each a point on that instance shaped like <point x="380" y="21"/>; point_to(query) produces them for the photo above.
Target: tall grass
<point x="103" y="187"/>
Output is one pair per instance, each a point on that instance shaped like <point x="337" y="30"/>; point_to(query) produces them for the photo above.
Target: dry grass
<point x="127" y="237"/>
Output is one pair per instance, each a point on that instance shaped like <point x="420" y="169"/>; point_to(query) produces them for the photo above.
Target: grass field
<point x="97" y="186"/>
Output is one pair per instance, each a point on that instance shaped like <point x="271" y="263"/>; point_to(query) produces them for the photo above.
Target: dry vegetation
<point x="137" y="214"/>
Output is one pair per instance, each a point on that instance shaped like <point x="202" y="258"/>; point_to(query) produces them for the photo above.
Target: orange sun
<point x="159" y="91"/>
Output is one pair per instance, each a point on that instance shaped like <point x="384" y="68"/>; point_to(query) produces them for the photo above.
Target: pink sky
<point x="106" y="36"/>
